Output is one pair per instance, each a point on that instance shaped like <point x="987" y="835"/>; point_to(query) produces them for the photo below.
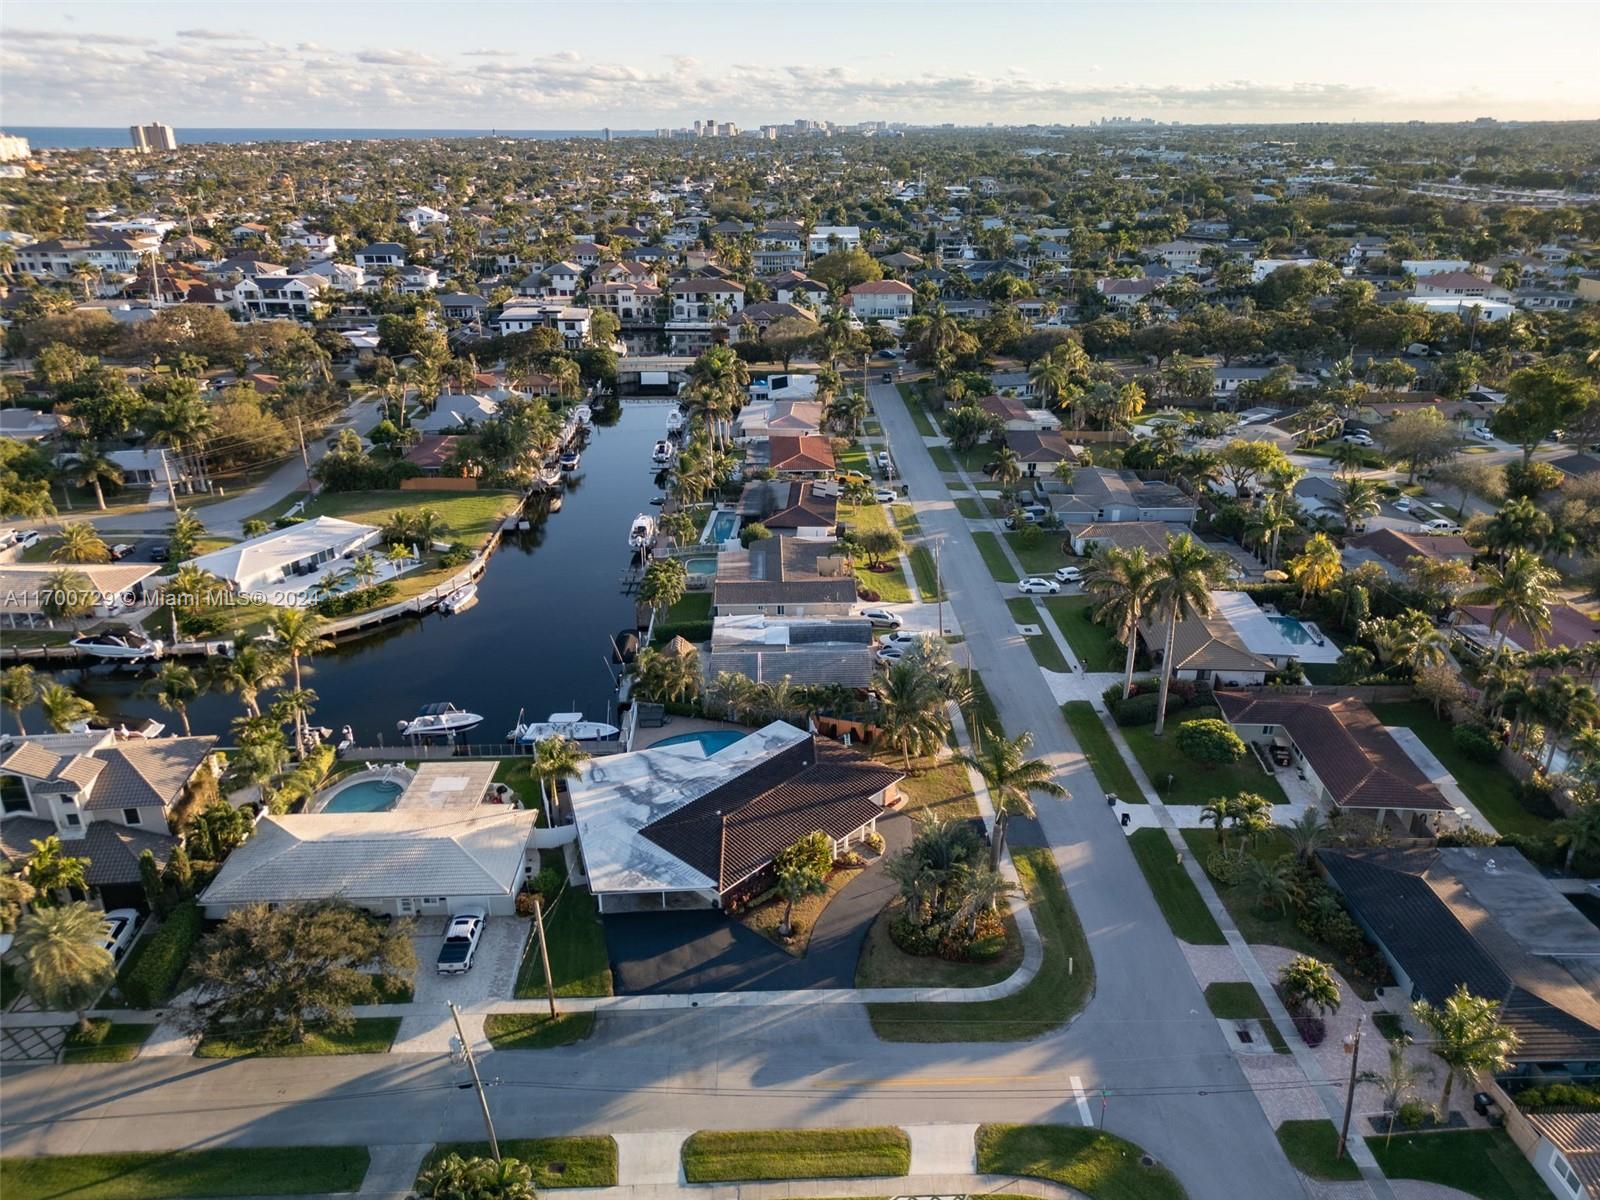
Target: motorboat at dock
<point x="439" y="720"/>
<point x="570" y="725"/>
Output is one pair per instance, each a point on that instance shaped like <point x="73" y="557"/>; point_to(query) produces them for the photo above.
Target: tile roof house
<point x="669" y="828"/>
<point x="1486" y="918"/>
<point x="803" y="650"/>
<point x="105" y="795"/>
<point x="784" y="576"/>
<point x="763" y="418"/>
<point x="792" y="506"/>
<point x="1102" y="494"/>
<point x="1340" y="747"/>
<point x="286" y="566"/>
<point x="805" y="454"/>
<point x="1039" y="451"/>
<point x="1570" y="627"/>
<point x="1394" y="549"/>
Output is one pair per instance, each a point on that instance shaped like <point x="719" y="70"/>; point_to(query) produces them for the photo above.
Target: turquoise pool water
<point x="370" y="795"/>
<point x="701" y="566"/>
<point x="1293" y="630"/>
<point x="713" y="740"/>
<point x="724" y="524"/>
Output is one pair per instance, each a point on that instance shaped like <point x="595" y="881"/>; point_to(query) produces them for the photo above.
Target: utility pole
<point x="544" y="952"/>
<point x="172" y="491"/>
<point x="472" y="1065"/>
<point x="300" y="433"/>
<point x="1352" y="1047"/>
<point x="938" y="585"/>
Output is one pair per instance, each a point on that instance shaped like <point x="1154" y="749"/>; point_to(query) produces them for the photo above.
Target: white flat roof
<point x="258" y="557"/>
<point x="616" y="796"/>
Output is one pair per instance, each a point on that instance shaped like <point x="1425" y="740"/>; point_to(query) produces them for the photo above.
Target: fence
<point x="438" y="751"/>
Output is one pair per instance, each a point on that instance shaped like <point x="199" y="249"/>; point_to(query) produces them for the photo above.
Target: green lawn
<point x="1092" y="642"/>
<point x="890" y="585"/>
<point x="1104" y="759"/>
<point x="269" y="1171"/>
<point x="1310" y="1146"/>
<point x="1239" y="1002"/>
<point x="919" y="415"/>
<point x="515" y="774"/>
<point x="757" y="1154"/>
<point x="368" y="1035"/>
<point x="853" y="458"/>
<point x="1045" y="651"/>
<point x="1098" y="1164"/>
<point x="942" y="459"/>
<point x="579" y="965"/>
<point x="1175" y="892"/>
<point x="994" y="557"/>
<point x="883" y="964"/>
<point x="1487" y="785"/>
<point x="1481" y="1162"/>
<point x="1192" y="782"/>
<point x="969" y="508"/>
<point x="1039" y="551"/>
<point x="923" y="566"/>
<point x="1051" y="997"/>
<point x="981" y="711"/>
<point x="941" y="788"/>
<point x="536" y="1031"/>
<point x="105" y="1042"/>
<point x="557" y="1162"/>
<point x="1390" y="1025"/>
<point x="466" y="516"/>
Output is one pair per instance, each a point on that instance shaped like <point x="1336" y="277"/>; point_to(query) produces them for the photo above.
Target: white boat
<point x="434" y="720"/>
<point x="643" y="531"/>
<point x="462" y="597"/>
<point x="584" y="414"/>
<point x="570" y="460"/>
<point x="569" y="725"/>
<point x="676" y="420"/>
<point x="126" y="646"/>
<point x="663" y="453"/>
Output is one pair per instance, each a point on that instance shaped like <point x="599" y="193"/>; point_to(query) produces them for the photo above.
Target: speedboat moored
<point x="569" y="725"/>
<point x="643" y="531"/>
<point x="435" y="720"/>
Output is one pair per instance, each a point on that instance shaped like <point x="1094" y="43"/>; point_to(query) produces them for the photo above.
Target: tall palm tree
<point x="1123" y="581"/>
<point x="174" y="687"/>
<point x="1011" y="777"/>
<point x="1356" y="500"/>
<point x="91" y="468"/>
<point x="1519" y="592"/>
<point x="1566" y="707"/>
<point x="1468" y="1035"/>
<point x="63" y="707"/>
<point x="52" y="873"/>
<point x="62" y="961"/>
<point x="1579" y="833"/>
<point x="297" y="632"/>
<point x="1007" y="468"/>
<point x="665" y="582"/>
<point x="19" y="687"/>
<point x="81" y="544"/>
<point x="1267" y="525"/>
<point x="913" y="714"/>
<point x="1316" y="567"/>
<point x="67" y="594"/>
<point x="252" y="670"/>
<point x="555" y="760"/>
<point x="1186" y="572"/>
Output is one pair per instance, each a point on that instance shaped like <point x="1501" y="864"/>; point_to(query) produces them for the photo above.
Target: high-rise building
<point x="697" y="127"/>
<point x="154" y="136"/>
<point x="607" y="132"/>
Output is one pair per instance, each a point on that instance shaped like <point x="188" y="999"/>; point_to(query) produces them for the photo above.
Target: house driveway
<point x="428" y="1027"/>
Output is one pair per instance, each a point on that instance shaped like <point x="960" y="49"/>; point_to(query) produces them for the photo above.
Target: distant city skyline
<point x="667" y="64"/>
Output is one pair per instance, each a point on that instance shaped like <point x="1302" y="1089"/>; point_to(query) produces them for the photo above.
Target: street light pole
<point x="1352" y="1047"/>
<point x="477" y="1083"/>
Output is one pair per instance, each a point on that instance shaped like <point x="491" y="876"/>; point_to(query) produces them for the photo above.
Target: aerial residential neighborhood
<point x="950" y="604"/>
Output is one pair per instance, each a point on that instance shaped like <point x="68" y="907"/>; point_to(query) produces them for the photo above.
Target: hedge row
<point x="149" y="980"/>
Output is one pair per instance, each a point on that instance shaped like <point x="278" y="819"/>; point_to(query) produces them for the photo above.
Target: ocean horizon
<point x="94" y="137"/>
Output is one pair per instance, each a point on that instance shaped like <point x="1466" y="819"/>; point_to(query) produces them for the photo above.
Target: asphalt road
<point x="1146" y="1035"/>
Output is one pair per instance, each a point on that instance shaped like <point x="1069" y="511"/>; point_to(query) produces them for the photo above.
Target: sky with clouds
<point x="551" y="64"/>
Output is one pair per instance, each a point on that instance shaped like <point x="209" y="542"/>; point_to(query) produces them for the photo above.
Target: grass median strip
<point x="1105" y="760"/>
<point x="105" y="1041"/>
<point x="557" y="1162"/>
<point x="366" y="1035"/>
<point x="1098" y="1164"/>
<point x="1041" y="645"/>
<point x="579" y="964"/>
<point x="1239" y="1002"/>
<point x="264" y="1171"/>
<point x="994" y="557"/>
<point x="536" y="1031"/>
<point x="747" y="1155"/>
<point x="1311" y="1146"/>
<point x="1176" y="895"/>
<point x="1062" y="986"/>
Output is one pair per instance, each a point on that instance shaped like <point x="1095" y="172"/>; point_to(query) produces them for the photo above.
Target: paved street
<point x="1146" y="1036"/>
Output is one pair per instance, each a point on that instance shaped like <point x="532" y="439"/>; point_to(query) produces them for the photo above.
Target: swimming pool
<point x="723" y="525"/>
<point x="711" y="739"/>
<point x="1293" y="631"/>
<point x="701" y="566"/>
<point x="365" y="795"/>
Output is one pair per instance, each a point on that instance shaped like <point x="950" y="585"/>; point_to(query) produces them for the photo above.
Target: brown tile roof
<point x="781" y="570"/>
<point x="112" y="850"/>
<point x="802" y="452"/>
<point x="1396" y="547"/>
<point x="1041" y="446"/>
<point x="1007" y="408"/>
<point x="1348" y="748"/>
<point x="1569" y="626"/>
<point x="734" y="830"/>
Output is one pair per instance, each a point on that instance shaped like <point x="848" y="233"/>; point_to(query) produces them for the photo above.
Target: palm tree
<point x="1316" y="567"/>
<point x="1566" y="707"/>
<point x="1579" y="833"/>
<point x="1007" y="468"/>
<point x="982" y="889"/>
<point x="1011" y="777"/>
<point x="67" y="594"/>
<point x="1185" y="574"/>
<point x="1468" y="1035"/>
<point x="1123" y="581"/>
<point x="665" y="582"/>
<point x="297" y="633"/>
<point x="90" y="468"/>
<point x="1275" y="885"/>
<point x="19" y="687"/>
<point x="252" y="670"/>
<point x="81" y="544"/>
<point x="174" y="687"/>
<point x="1307" y="981"/>
<point x="1356" y="500"/>
<point x="183" y="537"/>
<point x="54" y="874"/>
<point x="913" y="714"/>
<point x="63" y="707"/>
<point x="1266" y="527"/>
<point x="1397" y="1081"/>
<point x="1307" y="834"/>
<point x="555" y="759"/>
<point x="62" y="961"/>
<point x="796" y="881"/>
<point x="1519" y="592"/>
<point x="665" y="676"/>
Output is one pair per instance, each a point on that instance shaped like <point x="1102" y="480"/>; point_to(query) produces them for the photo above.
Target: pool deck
<point x="678" y="726"/>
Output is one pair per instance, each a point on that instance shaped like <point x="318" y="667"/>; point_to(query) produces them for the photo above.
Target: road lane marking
<point x="926" y="1081"/>
<point x="1083" y="1101"/>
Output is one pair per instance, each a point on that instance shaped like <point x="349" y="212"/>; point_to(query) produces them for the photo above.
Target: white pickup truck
<point x="461" y="942"/>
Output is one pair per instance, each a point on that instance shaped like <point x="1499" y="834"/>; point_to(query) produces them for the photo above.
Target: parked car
<point x="27" y="537"/>
<point x="1403" y="503"/>
<point x="851" y="476"/>
<point x="121" y="925"/>
<point x="890" y="654"/>
<point x="882" y="618"/>
<point x="1482" y="434"/>
<point x="1037" y="583"/>
<point x="1358" y="439"/>
<point x="885" y="496"/>
<point x="887" y="377"/>
<point x="1441" y="525"/>
<point x="904" y="639"/>
<point x="120" y="551"/>
<point x="1069" y="574"/>
<point x="161" y="553"/>
<point x="461" y="939"/>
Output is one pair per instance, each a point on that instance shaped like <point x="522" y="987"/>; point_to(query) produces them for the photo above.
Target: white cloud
<point x="216" y="35"/>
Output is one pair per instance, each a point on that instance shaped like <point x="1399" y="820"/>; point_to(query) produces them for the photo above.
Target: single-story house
<point x="670" y="828"/>
<point x="289" y="566"/>
<point x="1040" y="451"/>
<point x="454" y="411"/>
<point x="433" y="454"/>
<point x="803" y="454"/>
<point x="444" y="846"/>
<point x="113" y="587"/>
<point x="761" y="419"/>
<point x="1394" y="549"/>
<point x="152" y="467"/>
<point x="784" y="576"/>
<point x="105" y="794"/>
<point x="1486" y="918"/>
<point x="804" y="650"/>
<point x="1340" y="748"/>
<point x="1207" y="649"/>
<point x="29" y="424"/>
<point x="1569" y="628"/>
<point x="1150" y="536"/>
<point x="1010" y="411"/>
<point x="1566" y="1151"/>
<point x="1100" y="494"/>
<point x="792" y="506"/>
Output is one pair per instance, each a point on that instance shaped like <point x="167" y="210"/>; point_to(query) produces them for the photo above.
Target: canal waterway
<point x="537" y="640"/>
